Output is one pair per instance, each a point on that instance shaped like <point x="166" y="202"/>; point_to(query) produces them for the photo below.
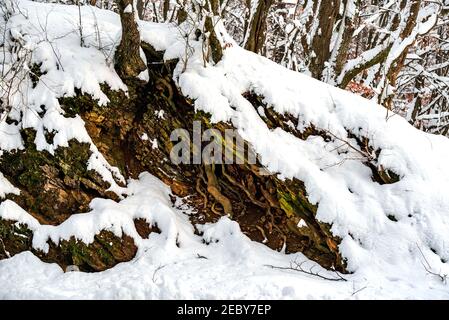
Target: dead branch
<point x="298" y="267"/>
<point x="428" y="267"/>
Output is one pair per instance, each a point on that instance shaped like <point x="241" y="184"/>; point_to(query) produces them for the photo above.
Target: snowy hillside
<point x="394" y="236"/>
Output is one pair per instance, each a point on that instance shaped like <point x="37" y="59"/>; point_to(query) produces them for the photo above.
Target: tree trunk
<point x="166" y="9"/>
<point x="319" y="47"/>
<point x="397" y="65"/>
<point x="214" y="44"/>
<point x="347" y="28"/>
<point x="128" y="62"/>
<point x="140" y="8"/>
<point x="257" y="27"/>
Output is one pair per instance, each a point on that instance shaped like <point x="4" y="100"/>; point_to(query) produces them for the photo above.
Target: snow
<point x="6" y="187"/>
<point x="385" y="256"/>
<point x="160" y="114"/>
<point x="144" y="137"/>
<point x="301" y="224"/>
<point x="347" y="198"/>
<point x="66" y="66"/>
<point x="154" y="144"/>
<point x="128" y="9"/>
<point x="360" y="60"/>
<point x="230" y="266"/>
<point x="105" y="215"/>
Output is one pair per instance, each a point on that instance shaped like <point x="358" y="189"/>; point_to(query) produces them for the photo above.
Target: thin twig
<point x="156" y="271"/>
<point x="295" y="266"/>
<point x="428" y="268"/>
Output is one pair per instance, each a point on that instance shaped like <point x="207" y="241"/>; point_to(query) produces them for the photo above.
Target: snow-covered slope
<point x="386" y="255"/>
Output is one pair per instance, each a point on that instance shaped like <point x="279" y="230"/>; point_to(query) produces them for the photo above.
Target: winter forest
<point x="394" y="52"/>
<point x="224" y="149"/>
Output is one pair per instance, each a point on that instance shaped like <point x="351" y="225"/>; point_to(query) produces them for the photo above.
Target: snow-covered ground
<point x="230" y="267"/>
<point x="386" y="257"/>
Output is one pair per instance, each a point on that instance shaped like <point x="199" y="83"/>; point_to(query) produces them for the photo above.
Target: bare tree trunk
<point x="398" y="63"/>
<point x="347" y="28"/>
<point x="128" y="62"/>
<point x="419" y="84"/>
<point x="319" y="49"/>
<point x="256" y="30"/>
<point x="140" y="6"/>
<point x="181" y="14"/>
<point x="166" y="8"/>
<point x="214" y="43"/>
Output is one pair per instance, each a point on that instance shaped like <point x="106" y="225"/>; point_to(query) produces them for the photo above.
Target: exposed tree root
<point x="246" y="190"/>
<point x="198" y="189"/>
<point x="263" y="205"/>
<point x="214" y="189"/>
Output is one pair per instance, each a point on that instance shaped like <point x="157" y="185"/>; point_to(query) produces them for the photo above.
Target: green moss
<point x="295" y="204"/>
<point x="77" y="104"/>
<point x="73" y="160"/>
<point x="80" y="254"/>
<point x="15" y="238"/>
<point x="26" y="166"/>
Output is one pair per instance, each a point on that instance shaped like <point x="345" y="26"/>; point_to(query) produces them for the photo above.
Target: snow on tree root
<point x="386" y="230"/>
<point x="356" y="207"/>
<point x="109" y="233"/>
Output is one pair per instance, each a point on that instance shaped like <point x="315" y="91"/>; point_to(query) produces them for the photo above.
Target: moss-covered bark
<point x="53" y="187"/>
<point x="106" y="251"/>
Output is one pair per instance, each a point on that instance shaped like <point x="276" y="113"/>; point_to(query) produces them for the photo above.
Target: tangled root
<point x="214" y="189"/>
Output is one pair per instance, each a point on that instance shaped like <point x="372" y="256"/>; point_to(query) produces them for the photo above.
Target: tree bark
<point x="319" y="49"/>
<point x="214" y="43"/>
<point x="140" y="6"/>
<point x="128" y="62"/>
<point x="397" y="65"/>
<point x="166" y="9"/>
<point x="347" y="29"/>
<point x="257" y="28"/>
